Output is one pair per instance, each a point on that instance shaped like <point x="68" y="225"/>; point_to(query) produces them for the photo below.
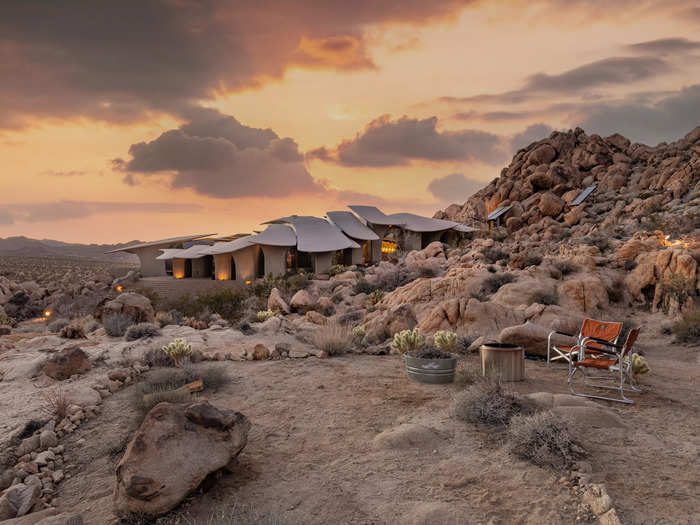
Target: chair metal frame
<point x="616" y="358"/>
<point x="583" y="338"/>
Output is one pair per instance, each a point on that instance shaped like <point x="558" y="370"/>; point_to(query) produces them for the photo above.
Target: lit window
<point x="389" y="247"/>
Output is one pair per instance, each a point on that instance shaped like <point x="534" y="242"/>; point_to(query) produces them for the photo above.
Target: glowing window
<point x="389" y="247"/>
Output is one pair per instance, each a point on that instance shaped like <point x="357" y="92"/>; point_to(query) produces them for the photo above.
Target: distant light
<point x="249" y="282"/>
<point x="47" y="313"/>
<point x="119" y="288"/>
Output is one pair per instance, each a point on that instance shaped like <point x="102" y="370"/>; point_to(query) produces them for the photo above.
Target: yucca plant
<point x="445" y="340"/>
<point x="407" y="340"/>
<point x="178" y="350"/>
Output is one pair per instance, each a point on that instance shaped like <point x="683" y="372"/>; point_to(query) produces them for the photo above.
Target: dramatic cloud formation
<point x="668" y="119"/>
<point x="216" y="155"/>
<point x="386" y="142"/>
<point x="528" y="136"/>
<point x="68" y="209"/>
<point x="118" y="61"/>
<point x="665" y="46"/>
<point x="455" y="187"/>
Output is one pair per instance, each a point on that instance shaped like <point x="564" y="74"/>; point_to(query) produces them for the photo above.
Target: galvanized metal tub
<point x="432" y="371"/>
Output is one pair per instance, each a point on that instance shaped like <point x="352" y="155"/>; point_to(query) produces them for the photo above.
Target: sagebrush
<point x="542" y="438"/>
<point x="333" y="338"/>
<point x="485" y="402"/>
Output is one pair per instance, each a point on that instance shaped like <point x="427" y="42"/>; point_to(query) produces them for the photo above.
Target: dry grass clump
<point x="236" y="515"/>
<point x="687" y="328"/>
<point x="116" y="324"/>
<point x="333" y="338"/>
<point x="141" y="331"/>
<point x="146" y="397"/>
<point x="532" y="259"/>
<point x="73" y="330"/>
<point x="55" y="404"/>
<point x="486" y="403"/>
<point x="542" y="297"/>
<point x="543" y="439"/>
<point x="466" y="375"/>
<point x="565" y="267"/>
<point x="155" y="357"/>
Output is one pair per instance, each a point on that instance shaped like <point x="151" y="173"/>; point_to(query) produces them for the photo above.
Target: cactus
<point x="445" y="340"/>
<point x="264" y="315"/>
<point x="178" y="350"/>
<point x="640" y="366"/>
<point x="358" y="332"/>
<point x="407" y="340"/>
<point x="376" y="296"/>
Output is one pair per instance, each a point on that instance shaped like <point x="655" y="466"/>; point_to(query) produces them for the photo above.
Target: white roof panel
<point x="172" y="240"/>
<point x="231" y="246"/>
<point x="169" y="253"/>
<point x="351" y="225"/>
<point x="319" y="235"/>
<point x="373" y="215"/>
<point x="417" y="223"/>
<point x="276" y="235"/>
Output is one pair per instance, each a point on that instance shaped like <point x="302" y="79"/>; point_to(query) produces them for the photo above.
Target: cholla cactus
<point x="358" y="333"/>
<point x="445" y="340"/>
<point x="407" y="340"/>
<point x="640" y="366"/>
<point x="264" y="315"/>
<point x="178" y="350"/>
<point x="376" y="296"/>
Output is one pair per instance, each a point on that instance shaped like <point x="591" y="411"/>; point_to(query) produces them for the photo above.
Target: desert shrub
<point x="145" y="397"/>
<point x="616" y="292"/>
<point x="492" y="255"/>
<point x="687" y="328"/>
<point x="165" y="319"/>
<point x="565" y="267"/>
<point x="407" y="340"/>
<point x="116" y="324"/>
<point x="491" y="269"/>
<point x="237" y="515"/>
<point x="375" y="296"/>
<point x="155" y="357"/>
<point x="427" y="271"/>
<point x="90" y="325"/>
<point x="73" y="330"/>
<point x="602" y="243"/>
<point x="363" y="286"/>
<point x="464" y="341"/>
<point x="679" y="287"/>
<point x="7" y="320"/>
<point x="333" y="338"/>
<point x="227" y="303"/>
<point x="264" y="315"/>
<point x="56" y="326"/>
<point x="485" y="403"/>
<point x="55" y="404"/>
<point x="178" y="350"/>
<point x="466" y="374"/>
<point x="169" y="378"/>
<point x="543" y="297"/>
<point x="336" y="269"/>
<point x="445" y="340"/>
<point x="639" y="366"/>
<point x="214" y="377"/>
<point x="358" y="333"/>
<point x="543" y="439"/>
<point x="532" y="259"/>
<point x="493" y="283"/>
<point x="141" y="331"/>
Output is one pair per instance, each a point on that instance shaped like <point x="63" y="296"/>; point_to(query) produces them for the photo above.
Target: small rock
<point x="260" y="352"/>
<point x="48" y="439"/>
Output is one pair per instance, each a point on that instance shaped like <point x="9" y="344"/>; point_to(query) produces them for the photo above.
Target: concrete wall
<point x="178" y="268"/>
<point x="246" y="263"/>
<point x="169" y="288"/>
<point x="322" y="261"/>
<point x="275" y="259"/>
<point x="356" y="255"/>
<point x="222" y="267"/>
<point x="411" y="241"/>
<point x="150" y="267"/>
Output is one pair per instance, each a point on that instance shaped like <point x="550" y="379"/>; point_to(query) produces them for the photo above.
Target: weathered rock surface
<point x="19" y="499"/>
<point x="276" y="303"/>
<point x="67" y="362"/>
<point x="175" y="448"/>
<point x="135" y="306"/>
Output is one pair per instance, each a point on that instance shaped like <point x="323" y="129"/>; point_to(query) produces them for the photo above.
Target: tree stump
<point x="503" y="361"/>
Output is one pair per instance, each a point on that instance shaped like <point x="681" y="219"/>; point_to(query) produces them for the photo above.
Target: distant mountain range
<point x="26" y="247"/>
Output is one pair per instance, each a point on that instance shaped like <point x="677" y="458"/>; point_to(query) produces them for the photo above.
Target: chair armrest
<point x="600" y="350"/>
<point x="561" y="333"/>
<point x="604" y="342"/>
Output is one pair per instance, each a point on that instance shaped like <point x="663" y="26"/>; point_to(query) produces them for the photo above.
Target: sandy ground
<point x="312" y="456"/>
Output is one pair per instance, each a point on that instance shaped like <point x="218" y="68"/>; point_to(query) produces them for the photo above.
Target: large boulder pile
<point x="175" y="448"/>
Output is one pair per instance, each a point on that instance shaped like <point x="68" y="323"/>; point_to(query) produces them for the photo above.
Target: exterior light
<point x="249" y="282"/>
<point x="119" y="288"/>
<point x="47" y="313"/>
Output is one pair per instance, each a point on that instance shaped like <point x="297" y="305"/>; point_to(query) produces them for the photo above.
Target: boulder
<point x="18" y="500"/>
<point x="5" y="329"/>
<point x="260" y="352"/>
<point x="550" y="205"/>
<point x="133" y="305"/>
<point x="276" y="303"/>
<point x="67" y="362"/>
<point x="407" y="435"/>
<point x="585" y="292"/>
<point x="302" y="302"/>
<point x="542" y="154"/>
<point x="175" y="448"/>
<point x="314" y="317"/>
<point x="529" y="336"/>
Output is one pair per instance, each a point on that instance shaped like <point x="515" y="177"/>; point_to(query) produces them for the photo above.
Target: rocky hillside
<point x="26" y="247"/>
<point x="639" y="187"/>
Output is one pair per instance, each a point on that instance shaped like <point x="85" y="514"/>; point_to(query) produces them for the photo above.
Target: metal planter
<point x="431" y="371"/>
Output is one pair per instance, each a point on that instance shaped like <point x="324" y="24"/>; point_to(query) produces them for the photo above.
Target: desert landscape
<point x="288" y="401"/>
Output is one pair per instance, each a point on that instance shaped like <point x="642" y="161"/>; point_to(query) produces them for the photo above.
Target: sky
<point x="145" y="119"/>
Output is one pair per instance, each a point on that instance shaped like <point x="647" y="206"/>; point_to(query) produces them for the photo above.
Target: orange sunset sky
<point x="149" y="119"/>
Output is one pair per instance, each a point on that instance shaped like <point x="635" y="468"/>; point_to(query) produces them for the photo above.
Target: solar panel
<point x="584" y="195"/>
<point x="495" y="214"/>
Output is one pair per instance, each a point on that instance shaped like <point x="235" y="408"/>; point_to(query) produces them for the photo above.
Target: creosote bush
<point x="408" y="340"/>
<point x="333" y="338"/>
<point x="543" y="439"/>
<point x="141" y="331"/>
<point x="687" y="328"/>
<point x="492" y="255"/>
<point x="542" y="297"/>
<point x="532" y="259"/>
<point x="493" y="283"/>
<point x="486" y="403"/>
<point x="116" y="324"/>
<point x="565" y="267"/>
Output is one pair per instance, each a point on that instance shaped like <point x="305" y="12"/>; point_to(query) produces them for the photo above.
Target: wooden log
<point x="502" y="361"/>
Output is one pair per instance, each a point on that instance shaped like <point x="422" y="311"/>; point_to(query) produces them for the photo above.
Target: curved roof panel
<point x="276" y="235"/>
<point x="417" y="223"/>
<point x="373" y="215"/>
<point x="169" y="253"/>
<point x="172" y="240"/>
<point x="231" y="246"/>
<point x="319" y="235"/>
<point x="351" y="225"/>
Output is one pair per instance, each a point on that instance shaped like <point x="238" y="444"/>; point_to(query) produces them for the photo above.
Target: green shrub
<point x="55" y="326"/>
<point x="116" y="324"/>
<point x="227" y="303"/>
<point x="7" y="320"/>
<point x="333" y="338"/>
<point x="486" y="403"/>
<point x="141" y="331"/>
<point x="687" y="328"/>
<point x="358" y="333"/>
<point x="542" y="297"/>
<point x="543" y="439"/>
<point x="407" y="340"/>
<point x="493" y="283"/>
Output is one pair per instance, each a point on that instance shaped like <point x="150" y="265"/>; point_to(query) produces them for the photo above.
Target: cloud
<point x="386" y="142"/>
<point x="529" y="135"/>
<point x="68" y="173"/>
<point x="216" y="155"/>
<point x="666" y="46"/>
<point x="122" y="61"/>
<point x="454" y="187"/>
<point x="69" y="209"/>
<point x="668" y="119"/>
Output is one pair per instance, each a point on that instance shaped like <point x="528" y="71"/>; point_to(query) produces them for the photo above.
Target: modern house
<point x="361" y="236"/>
